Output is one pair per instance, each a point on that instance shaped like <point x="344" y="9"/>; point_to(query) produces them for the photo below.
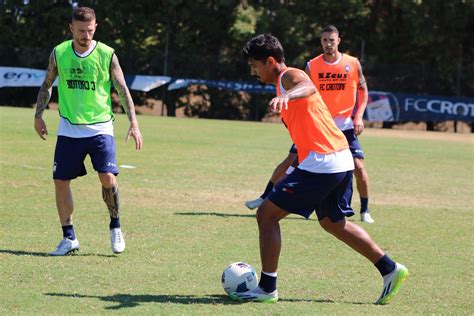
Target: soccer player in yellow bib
<point x="85" y="69"/>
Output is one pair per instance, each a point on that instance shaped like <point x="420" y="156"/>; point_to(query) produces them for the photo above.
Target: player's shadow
<point x="321" y="300"/>
<point x="45" y="254"/>
<point x="291" y="217"/>
<point x="132" y="300"/>
<point x="213" y="214"/>
<point x="24" y="253"/>
<point x="128" y="300"/>
<point x="299" y="300"/>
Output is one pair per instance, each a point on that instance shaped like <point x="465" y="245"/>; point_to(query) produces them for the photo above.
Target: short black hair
<point x="83" y="14"/>
<point x="263" y="46"/>
<point x="330" y="29"/>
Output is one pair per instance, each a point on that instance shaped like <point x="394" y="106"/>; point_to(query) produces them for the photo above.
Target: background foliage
<point x="411" y="46"/>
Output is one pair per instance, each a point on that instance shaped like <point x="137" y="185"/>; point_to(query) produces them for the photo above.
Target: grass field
<point x="184" y="221"/>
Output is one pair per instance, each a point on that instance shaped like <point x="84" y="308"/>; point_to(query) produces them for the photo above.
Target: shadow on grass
<point x="321" y="300"/>
<point x="296" y="217"/>
<point x="129" y="300"/>
<point x="45" y="254"/>
<point x="214" y="214"/>
<point x="298" y="300"/>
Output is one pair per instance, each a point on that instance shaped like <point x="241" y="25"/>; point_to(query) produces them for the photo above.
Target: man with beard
<point x="85" y="69"/>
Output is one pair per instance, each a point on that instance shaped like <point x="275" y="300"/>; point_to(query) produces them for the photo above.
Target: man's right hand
<point x="40" y="128"/>
<point x="278" y="103"/>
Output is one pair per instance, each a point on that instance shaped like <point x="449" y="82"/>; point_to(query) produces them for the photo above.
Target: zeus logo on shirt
<point x="331" y="75"/>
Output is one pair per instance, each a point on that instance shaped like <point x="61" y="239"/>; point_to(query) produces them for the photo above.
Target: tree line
<point x="411" y="46"/>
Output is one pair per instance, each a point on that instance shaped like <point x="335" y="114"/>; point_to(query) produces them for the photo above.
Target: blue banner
<point x="22" y="77"/>
<point x="29" y="77"/>
<point x="382" y="106"/>
<point x="400" y="107"/>
<point x="223" y="85"/>
<point x="146" y="83"/>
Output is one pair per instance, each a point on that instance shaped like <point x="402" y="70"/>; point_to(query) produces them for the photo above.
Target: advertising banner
<point x="400" y="107"/>
<point x="146" y="83"/>
<point x="28" y="77"/>
<point x="224" y="85"/>
<point x="21" y="77"/>
<point x="382" y="106"/>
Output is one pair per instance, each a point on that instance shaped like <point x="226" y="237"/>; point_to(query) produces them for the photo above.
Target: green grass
<point x="184" y="221"/>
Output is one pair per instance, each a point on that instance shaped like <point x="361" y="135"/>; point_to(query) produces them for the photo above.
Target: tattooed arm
<point x="44" y="95"/>
<point x="126" y="102"/>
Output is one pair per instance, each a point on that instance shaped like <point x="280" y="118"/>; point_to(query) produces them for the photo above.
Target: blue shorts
<point x="302" y="192"/>
<point x="293" y="149"/>
<point x="354" y="144"/>
<point x="70" y="153"/>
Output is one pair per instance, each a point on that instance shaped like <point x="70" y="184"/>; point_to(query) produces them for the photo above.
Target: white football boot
<point x="392" y="283"/>
<point x="253" y="204"/>
<point x="366" y="217"/>
<point x="66" y="246"/>
<point x="117" y="241"/>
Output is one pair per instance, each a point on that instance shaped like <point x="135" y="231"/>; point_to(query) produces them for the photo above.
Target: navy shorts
<point x="293" y="149"/>
<point x="302" y="192"/>
<point x="354" y="144"/>
<point x="70" y="153"/>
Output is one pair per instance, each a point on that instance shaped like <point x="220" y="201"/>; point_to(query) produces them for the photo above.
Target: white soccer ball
<point x="239" y="277"/>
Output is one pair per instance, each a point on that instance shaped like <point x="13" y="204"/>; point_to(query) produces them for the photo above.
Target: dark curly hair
<point x="263" y="46"/>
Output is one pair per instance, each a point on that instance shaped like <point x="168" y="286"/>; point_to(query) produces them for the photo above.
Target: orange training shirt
<point x="337" y="83"/>
<point x="310" y="125"/>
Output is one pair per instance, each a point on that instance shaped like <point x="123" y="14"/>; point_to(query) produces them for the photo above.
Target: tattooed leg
<point x="111" y="199"/>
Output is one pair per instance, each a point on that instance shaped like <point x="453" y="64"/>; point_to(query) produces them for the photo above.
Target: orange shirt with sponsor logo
<point x="310" y="125"/>
<point x="337" y="83"/>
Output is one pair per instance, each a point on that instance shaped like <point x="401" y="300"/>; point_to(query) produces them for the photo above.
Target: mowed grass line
<point x="184" y="220"/>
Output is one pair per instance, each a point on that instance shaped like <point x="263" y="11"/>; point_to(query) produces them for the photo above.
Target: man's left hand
<point x="358" y="125"/>
<point x="134" y="131"/>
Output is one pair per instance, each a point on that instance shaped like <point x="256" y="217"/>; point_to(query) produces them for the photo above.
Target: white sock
<point x="272" y="274"/>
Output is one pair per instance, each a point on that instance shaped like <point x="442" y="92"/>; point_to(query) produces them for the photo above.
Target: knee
<point x="261" y="217"/>
<point x="359" y="169"/>
<point x="265" y="216"/>
<point x="331" y="227"/>
<point x="107" y="179"/>
<point x="325" y="225"/>
<point x="61" y="184"/>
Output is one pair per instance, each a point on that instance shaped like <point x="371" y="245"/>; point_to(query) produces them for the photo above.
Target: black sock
<point x="267" y="191"/>
<point x="364" y="205"/>
<point x="385" y="265"/>
<point x="114" y="223"/>
<point x="68" y="232"/>
<point x="267" y="283"/>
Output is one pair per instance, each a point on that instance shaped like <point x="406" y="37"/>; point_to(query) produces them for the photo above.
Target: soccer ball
<point x="239" y="277"/>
